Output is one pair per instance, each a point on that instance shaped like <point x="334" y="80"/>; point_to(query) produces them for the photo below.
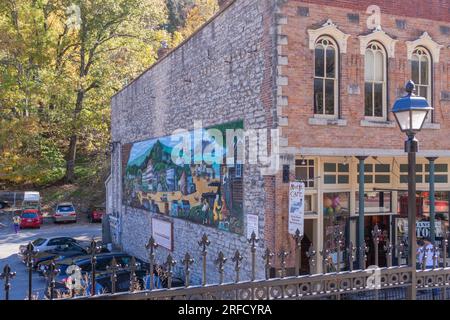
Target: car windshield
<point x="65" y="208"/>
<point x="38" y="242"/>
<point x="29" y="215"/>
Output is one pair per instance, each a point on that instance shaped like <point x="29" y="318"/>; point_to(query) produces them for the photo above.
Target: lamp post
<point x="410" y="112"/>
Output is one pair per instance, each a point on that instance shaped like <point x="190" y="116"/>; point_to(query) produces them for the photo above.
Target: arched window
<point x="375" y="81"/>
<point x="326" y="87"/>
<point x="421" y="73"/>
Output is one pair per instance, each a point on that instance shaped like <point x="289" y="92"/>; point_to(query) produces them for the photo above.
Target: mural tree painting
<point x="205" y="192"/>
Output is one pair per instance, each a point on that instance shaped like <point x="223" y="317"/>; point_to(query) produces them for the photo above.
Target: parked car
<point x="30" y="219"/>
<point x="95" y="214"/>
<point x="46" y="244"/>
<point x="65" y="212"/>
<point x="36" y="211"/>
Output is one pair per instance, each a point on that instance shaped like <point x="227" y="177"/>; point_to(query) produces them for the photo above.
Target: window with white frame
<point x="421" y="74"/>
<point x="423" y="173"/>
<point x="377" y="173"/>
<point x="304" y="171"/>
<point x="375" y="81"/>
<point x="336" y="173"/>
<point x="326" y="77"/>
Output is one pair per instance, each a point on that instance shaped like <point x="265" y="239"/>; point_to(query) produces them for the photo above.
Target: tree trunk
<point x="72" y="152"/>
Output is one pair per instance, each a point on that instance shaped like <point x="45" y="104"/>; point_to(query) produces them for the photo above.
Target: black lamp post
<point x="410" y="112"/>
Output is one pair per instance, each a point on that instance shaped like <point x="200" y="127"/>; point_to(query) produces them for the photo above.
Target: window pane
<point x="368" y="100"/>
<point x="331" y="62"/>
<point x="301" y="173"/>
<point x="343" y="167"/>
<point x="424" y="71"/>
<point x="368" y="167"/>
<point x="379" y="66"/>
<point x="441" y="178"/>
<point x="319" y="61"/>
<point x="441" y="168"/>
<point x="329" y="167"/>
<point x="378" y="99"/>
<point x="382" y="168"/>
<point x="382" y="179"/>
<point x="329" y="96"/>
<point x="343" y="179"/>
<point x="415" y="70"/>
<point x="403" y="179"/>
<point x="403" y="168"/>
<point x="369" y="66"/>
<point x="423" y="92"/>
<point x="330" y="179"/>
<point x="318" y="96"/>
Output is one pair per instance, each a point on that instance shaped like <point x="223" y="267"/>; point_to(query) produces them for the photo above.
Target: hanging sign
<point x="162" y="232"/>
<point x="296" y="207"/>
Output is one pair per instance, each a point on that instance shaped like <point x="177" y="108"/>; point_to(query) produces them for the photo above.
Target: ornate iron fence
<point x="339" y="280"/>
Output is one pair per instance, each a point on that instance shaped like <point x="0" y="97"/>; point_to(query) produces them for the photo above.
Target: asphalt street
<point x="9" y="246"/>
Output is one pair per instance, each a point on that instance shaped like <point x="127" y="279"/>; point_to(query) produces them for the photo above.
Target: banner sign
<point x="162" y="232"/>
<point x="296" y="207"/>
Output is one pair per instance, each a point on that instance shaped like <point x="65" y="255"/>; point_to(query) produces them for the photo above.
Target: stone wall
<point x="222" y="74"/>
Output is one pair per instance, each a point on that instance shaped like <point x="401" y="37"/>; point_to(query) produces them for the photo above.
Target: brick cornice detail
<point x="426" y="42"/>
<point x="328" y="29"/>
<point x="378" y="35"/>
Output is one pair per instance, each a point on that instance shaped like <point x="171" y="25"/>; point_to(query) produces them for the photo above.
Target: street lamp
<point x="410" y="112"/>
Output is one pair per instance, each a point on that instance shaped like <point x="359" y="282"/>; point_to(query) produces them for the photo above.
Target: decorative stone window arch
<point x="380" y="36"/>
<point x="331" y="30"/>
<point x="426" y="42"/>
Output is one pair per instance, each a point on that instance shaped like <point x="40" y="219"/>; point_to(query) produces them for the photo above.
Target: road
<point x="9" y="246"/>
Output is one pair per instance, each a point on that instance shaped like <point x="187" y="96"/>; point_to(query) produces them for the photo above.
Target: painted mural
<point x="203" y="192"/>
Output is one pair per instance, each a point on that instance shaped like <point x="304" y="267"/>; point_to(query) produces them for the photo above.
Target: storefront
<point x="332" y="200"/>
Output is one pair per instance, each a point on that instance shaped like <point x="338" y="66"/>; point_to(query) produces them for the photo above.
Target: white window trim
<point x="384" y="117"/>
<point x="430" y="77"/>
<point x="427" y="42"/>
<point x="378" y="35"/>
<point x="336" y="79"/>
<point x="330" y="29"/>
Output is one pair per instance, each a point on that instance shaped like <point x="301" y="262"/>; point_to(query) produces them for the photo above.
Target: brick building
<point x="325" y="75"/>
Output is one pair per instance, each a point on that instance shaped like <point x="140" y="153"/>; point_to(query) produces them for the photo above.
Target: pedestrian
<point x="428" y="258"/>
<point x="16" y="221"/>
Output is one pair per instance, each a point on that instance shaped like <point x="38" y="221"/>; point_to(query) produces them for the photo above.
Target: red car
<point x="96" y="214"/>
<point x="37" y="211"/>
<point x="30" y="220"/>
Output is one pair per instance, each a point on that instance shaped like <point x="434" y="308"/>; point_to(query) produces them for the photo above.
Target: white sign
<point x="162" y="232"/>
<point x="422" y="228"/>
<point x="252" y="225"/>
<point x="296" y="207"/>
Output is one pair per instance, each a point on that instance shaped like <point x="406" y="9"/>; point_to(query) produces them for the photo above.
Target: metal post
<point x="29" y="255"/>
<point x="444" y="250"/>
<point x="114" y="267"/>
<point x="133" y="277"/>
<point x="376" y="233"/>
<point x="7" y="275"/>
<point x="51" y="273"/>
<point x="432" y="200"/>
<point x="283" y="255"/>
<point x="151" y="246"/>
<point x="388" y="249"/>
<point x="311" y="254"/>
<point x="93" y="250"/>
<point x="361" y="211"/>
<point x="220" y="262"/>
<point x="170" y="262"/>
<point x="411" y="148"/>
<point x="351" y="255"/>
<point x="204" y="243"/>
<point x="237" y="259"/>
<point x="298" y="237"/>
<point x="187" y="262"/>
<point x="253" y="241"/>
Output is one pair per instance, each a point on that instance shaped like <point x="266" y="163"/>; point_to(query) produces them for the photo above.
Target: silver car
<point x="65" y="212"/>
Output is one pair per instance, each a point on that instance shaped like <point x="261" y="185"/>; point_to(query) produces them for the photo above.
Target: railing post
<point x="424" y="258"/>
<point x="267" y="262"/>
<point x="7" y="275"/>
<point x="325" y="260"/>
<point x="388" y="249"/>
<point x="187" y="262"/>
<point x="400" y="252"/>
<point x="339" y="242"/>
<point x="253" y="241"/>
<point x="133" y="277"/>
<point x="114" y="267"/>
<point x="170" y="262"/>
<point x="364" y="250"/>
<point x="311" y="254"/>
<point x="204" y="243"/>
<point x="93" y="250"/>
<point x="444" y="250"/>
<point x="298" y="237"/>
<point x="152" y="246"/>
<point x="51" y="273"/>
<point x="351" y="255"/>
<point x="29" y="255"/>
<point x="220" y="262"/>
<point x="237" y="259"/>
<point x="283" y="255"/>
<point x="376" y="234"/>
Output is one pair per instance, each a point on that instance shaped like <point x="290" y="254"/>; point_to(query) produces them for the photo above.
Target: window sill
<point x="377" y="123"/>
<point x="432" y="126"/>
<point x="327" y="122"/>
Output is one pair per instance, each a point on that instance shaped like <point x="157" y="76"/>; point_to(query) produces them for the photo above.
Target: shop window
<point x="336" y="173"/>
<point x="421" y="74"/>
<point x="377" y="173"/>
<point x="326" y="77"/>
<point x="304" y="171"/>
<point x="423" y="173"/>
<point x="375" y="81"/>
<point x="376" y="202"/>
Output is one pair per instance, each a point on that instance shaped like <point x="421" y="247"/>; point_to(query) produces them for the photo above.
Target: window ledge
<point x="432" y="126"/>
<point x="327" y="122"/>
<point x="377" y="124"/>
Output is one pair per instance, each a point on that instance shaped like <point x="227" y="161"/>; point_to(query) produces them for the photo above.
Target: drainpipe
<point x="432" y="200"/>
<point x="361" y="212"/>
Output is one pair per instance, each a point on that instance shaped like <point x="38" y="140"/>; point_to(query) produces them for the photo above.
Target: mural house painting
<point x="204" y="191"/>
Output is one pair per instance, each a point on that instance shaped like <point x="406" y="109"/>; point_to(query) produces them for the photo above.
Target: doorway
<point x="384" y="225"/>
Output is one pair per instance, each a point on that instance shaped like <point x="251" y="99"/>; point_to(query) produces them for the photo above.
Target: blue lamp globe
<point x="411" y="111"/>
